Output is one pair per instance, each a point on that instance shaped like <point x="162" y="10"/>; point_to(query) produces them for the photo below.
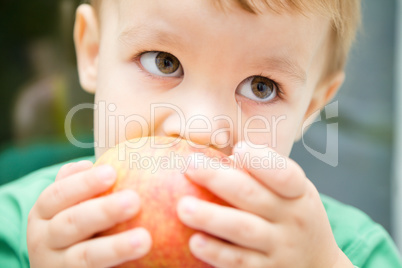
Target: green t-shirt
<point x="365" y="242"/>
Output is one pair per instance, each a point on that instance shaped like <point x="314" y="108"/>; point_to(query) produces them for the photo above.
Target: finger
<point x="236" y="187"/>
<point x="282" y="175"/>
<point x="222" y="254"/>
<point x="246" y="230"/>
<point x="88" y="218"/>
<point x="72" y="168"/>
<point x="74" y="189"/>
<point x="63" y="171"/>
<point x="109" y="251"/>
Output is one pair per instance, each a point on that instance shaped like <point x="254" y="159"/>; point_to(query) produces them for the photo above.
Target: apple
<point x="156" y="174"/>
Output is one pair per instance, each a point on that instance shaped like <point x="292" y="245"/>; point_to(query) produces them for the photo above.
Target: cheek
<point x="116" y="123"/>
<point x="122" y="110"/>
<point x="285" y="134"/>
<point x="276" y="125"/>
<point x="278" y="132"/>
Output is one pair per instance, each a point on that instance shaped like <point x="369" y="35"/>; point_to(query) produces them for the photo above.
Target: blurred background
<point x="39" y="85"/>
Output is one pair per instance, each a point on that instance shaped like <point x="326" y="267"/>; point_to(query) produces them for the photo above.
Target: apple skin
<point x="160" y="192"/>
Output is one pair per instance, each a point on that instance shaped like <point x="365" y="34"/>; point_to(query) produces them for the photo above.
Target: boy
<point x="235" y="66"/>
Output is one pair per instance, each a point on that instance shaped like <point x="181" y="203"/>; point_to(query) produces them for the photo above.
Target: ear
<point x="324" y="93"/>
<point x="86" y="40"/>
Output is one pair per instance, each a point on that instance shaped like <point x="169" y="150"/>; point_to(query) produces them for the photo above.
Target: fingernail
<point x="199" y="240"/>
<point x="135" y="241"/>
<point x="189" y="205"/>
<point x="106" y="174"/>
<point x="70" y="165"/>
<point x="84" y="163"/>
<point x="126" y="199"/>
<point x="240" y="146"/>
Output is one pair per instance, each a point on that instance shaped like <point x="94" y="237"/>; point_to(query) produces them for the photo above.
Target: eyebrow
<point x="143" y="34"/>
<point x="285" y="66"/>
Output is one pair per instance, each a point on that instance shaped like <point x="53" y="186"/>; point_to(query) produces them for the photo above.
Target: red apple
<point x="160" y="186"/>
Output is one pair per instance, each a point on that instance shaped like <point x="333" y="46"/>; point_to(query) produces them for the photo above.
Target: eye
<point x="258" y="88"/>
<point x="161" y="64"/>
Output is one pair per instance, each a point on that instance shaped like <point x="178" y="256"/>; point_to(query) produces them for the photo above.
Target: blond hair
<point x="345" y="16"/>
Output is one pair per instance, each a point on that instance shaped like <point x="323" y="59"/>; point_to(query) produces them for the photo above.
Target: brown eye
<point x="258" y="88"/>
<point x="161" y="64"/>
<point x="167" y="63"/>
<point x="262" y="87"/>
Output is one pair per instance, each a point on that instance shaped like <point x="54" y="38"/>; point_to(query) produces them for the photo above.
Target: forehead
<point x="198" y="15"/>
<point x="220" y="8"/>
<point x="256" y="6"/>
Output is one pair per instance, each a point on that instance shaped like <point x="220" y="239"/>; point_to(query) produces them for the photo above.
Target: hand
<point x="278" y="219"/>
<point x="63" y="221"/>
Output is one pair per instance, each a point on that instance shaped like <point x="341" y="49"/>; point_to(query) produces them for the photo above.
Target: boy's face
<point x="226" y="75"/>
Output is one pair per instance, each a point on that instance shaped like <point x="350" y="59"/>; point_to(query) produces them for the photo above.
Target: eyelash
<point x="136" y="59"/>
<point x="280" y="94"/>
<point x="278" y="85"/>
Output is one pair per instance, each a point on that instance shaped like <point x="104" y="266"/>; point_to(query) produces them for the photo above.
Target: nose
<point x="204" y="120"/>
